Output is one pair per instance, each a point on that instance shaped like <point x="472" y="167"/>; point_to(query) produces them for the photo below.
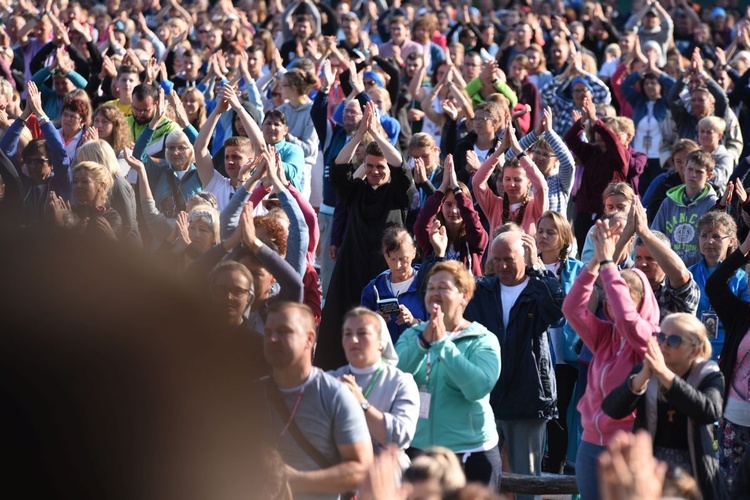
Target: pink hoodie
<point x="617" y="346"/>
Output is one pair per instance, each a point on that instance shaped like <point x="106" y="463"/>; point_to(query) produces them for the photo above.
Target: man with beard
<point x="143" y="104"/>
<point x="320" y="428"/>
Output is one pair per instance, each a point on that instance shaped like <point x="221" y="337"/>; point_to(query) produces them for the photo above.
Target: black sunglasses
<point x="673" y="341"/>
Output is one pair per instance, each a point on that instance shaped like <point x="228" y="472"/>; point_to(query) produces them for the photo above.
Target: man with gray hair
<point x="518" y="304"/>
<point x="672" y="283"/>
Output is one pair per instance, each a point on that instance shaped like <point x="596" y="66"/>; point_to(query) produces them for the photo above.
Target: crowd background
<point x="509" y="231"/>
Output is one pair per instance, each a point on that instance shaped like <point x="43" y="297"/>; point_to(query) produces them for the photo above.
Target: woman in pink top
<point x="517" y="203"/>
<point x="618" y="343"/>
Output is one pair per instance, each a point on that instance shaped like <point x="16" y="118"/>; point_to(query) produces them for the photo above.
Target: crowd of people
<point x="459" y="238"/>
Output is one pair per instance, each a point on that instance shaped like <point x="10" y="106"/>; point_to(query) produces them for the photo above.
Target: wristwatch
<point x="535" y="270"/>
<point x="365" y="406"/>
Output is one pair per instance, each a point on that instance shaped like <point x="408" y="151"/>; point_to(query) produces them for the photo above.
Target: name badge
<point x="424" y="403"/>
<point x="711" y="321"/>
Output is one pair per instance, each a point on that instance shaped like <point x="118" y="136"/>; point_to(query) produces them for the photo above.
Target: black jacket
<point x="699" y="397"/>
<point x="527" y="387"/>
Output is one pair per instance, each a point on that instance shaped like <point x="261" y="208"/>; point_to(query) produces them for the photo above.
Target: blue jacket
<point x="737" y="284"/>
<point x="527" y="387"/>
<point x="568" y="274"/>
<point x="381" y="287"/>
<point x="638" y="99"/>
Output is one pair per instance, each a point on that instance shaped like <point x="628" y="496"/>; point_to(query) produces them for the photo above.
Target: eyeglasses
<point x="204" y="32"/>
<point x="543" y="154"/>
<point x="36" y="162"/>
<point x="674" y="341"/>
<point x="482" y="118"/>
<point x="234" y="291"/>
<point x="177" y="147"/>
<point x="712" y="237"/>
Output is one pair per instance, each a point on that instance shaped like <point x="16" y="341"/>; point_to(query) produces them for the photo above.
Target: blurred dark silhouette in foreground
<point x="115" y="381"/>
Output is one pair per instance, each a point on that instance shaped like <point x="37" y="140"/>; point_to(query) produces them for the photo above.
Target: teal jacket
<point x="463" y="371"/>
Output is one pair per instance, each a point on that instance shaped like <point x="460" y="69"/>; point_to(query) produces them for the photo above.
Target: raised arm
<point x="203" y="160"/>
<point x="252" y="129"/>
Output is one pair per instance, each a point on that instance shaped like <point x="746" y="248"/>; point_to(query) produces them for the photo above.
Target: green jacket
<point x="463" y="371"/>
<point x="473" y="89"/>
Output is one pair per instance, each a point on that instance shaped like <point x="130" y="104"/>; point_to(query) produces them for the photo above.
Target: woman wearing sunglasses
<point x="677" y="396"/>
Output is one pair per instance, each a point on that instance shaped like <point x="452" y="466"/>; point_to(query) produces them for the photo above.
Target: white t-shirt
<point x="399" y="288"/>
<point x="481" y="154"/>
<point x="509" y="295"/>
<point x="220" y="187"/>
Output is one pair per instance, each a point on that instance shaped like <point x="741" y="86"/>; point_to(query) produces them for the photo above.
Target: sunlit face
<point x="485" y="124"/>
<point x="652" y="89"/>
<point x="696" y="176"/>
<point x="143" y="109"/>
<point x="201" y="234"/>
<point x="428" y="155"/>
<point x="85" y="188"/>
<point x="714" y="243"/>
<point x="708" y="138"/>
<point x="627" y="44"/>
<point x="534" y="58"/>
<point x="518" y="71"/>
<point x="421" y="35"/>
<point x="191" y="66"/>
<point x="472" y="66"/>
<point x="287" y="338"/>
<point x="617" y="203"/>
<point x="508" y="259"/>
<point x="648" y="265"/>
<point x="442" y="290"/>
<point x="412" y="66"/>
<point x="682" y="355"/>
<point x="229" y="31"/>
<point x="545" y="160"/>
<point x="274" y="131"/>
<point x="179" y="153"/>
<point x="399" y="261"/>
<point x="255" y="62"/>
<point x="376" y="170"/>
<point x="524" y="35"/>
<point x="650" y="21"/>
<point x="548" y="237"/>
<point x="191" y="104"/>
<point x="398" y="33"/>
<point x="559" y="54"/>
<point x="451" y="212"/>
<point x="580" y="92"/>
<point x="701" y="104"/>
<point x="515" y="183"/>
<point x="380" y="103"/>
<point x="234" y="159"/>
<point x="352" y="116"/>
<point x="361" y="341"/>
<point x="70" y="122"/>
<point x="230" y="292"/>
<point x="213" y="40"/>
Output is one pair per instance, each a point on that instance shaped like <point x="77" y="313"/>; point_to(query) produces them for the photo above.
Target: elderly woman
<point x="177" y="181"/>
<point x="456" y="363"/>
<point x="677" y="396"/>
<point x="393" y="293"/>
<point x="91" y="185"/>
<point x="388" y="396"/>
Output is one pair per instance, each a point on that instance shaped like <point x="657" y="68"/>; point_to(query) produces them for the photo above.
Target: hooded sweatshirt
<point x="617" y="345"/>
<point x="679" y="220"/>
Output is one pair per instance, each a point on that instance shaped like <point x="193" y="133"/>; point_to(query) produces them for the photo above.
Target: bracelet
<point x="606" y="261"/>
<point x="457" y="191"/>
<point x="520" y="155"/>
<point x="43" y="120"/>
<point x="423" y="341"/>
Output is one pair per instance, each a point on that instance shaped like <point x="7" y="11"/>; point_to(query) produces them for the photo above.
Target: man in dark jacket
<point x="518" y="305"/>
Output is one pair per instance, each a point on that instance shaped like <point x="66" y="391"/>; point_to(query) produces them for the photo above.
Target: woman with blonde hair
<point x="677" y="395"/>
<point x="195" y="107"/>
<point x="91" y="185"/>
<point x="121" y="196"/>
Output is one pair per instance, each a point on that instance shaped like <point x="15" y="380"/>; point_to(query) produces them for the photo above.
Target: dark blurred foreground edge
<point x="115" y="381"/>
